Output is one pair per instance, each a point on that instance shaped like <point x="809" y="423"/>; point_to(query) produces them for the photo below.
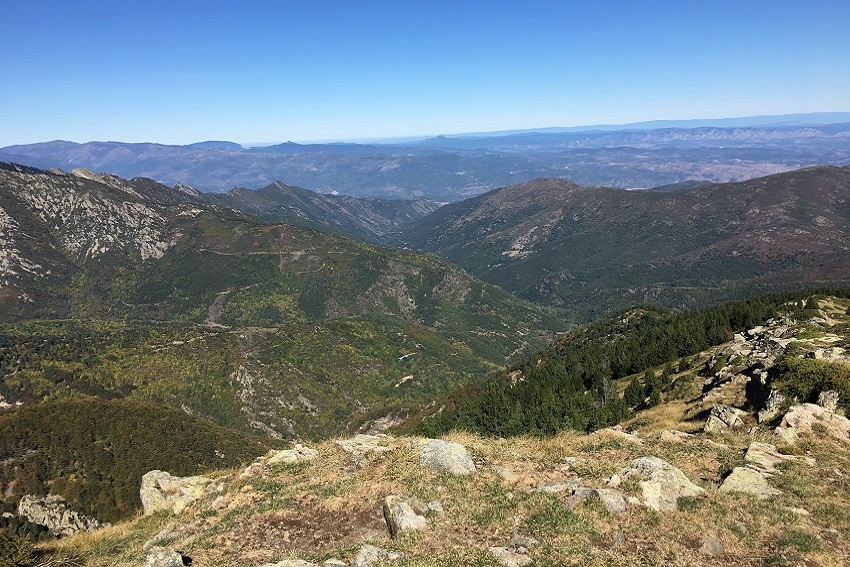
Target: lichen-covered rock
<point x="162" y="491"/>
<point x="400" y="516"/>
<point x="164" y="558"/>
<point x="723" y="417"/>
<point x="662" y="484"/>
<point x="53" y="513"/>
<point x="555" y="487"/>
<point x="369" y="555"/>
<point x="749" y="481"/>
<point x="446" y="457"/>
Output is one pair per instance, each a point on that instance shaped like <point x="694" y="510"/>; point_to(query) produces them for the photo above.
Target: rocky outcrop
<point x="400" y="516"/>
<point x="446" y="457"/>
<point x="662" y="484"/>
<point x="828" y="400"/>
<point x="162" y="491"/>
<point x="53" y="513"/>
<point x="723" y="417"/>
<point x="805" y="417"/>
<point x="772" y="407"/>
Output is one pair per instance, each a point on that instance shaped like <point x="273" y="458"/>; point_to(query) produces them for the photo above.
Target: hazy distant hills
<point x="458" y="167"/>
<point x="596" y="249"/>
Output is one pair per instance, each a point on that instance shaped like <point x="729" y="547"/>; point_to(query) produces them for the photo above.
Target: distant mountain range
<point x="454" y="168"/>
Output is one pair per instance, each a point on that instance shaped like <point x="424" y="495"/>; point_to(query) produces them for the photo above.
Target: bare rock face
<point x="162" y="491"/>
<point x="723" y="417"/>
<point x="401" y="517"/>
<point x="662" y="483"/>
<point x="446" y="457"/>
<point x="53" y="513"/>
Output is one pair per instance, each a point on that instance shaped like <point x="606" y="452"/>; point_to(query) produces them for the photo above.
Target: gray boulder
<point x="446" y="457"/>
<point x="662" y="484"/>
<point x="400" y="516"/>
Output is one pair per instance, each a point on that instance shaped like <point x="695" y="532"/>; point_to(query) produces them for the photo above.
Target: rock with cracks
<point x="662" y="483"/>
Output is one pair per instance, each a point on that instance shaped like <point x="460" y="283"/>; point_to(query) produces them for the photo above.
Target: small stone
<point x="334" y="563"/>
<point x="614" y="481"/>
<point x="556" y="487"/>
<point x="504" y="473"/>
<point x="712" y="547"/>
<point x="509" y="558"/>
<point x="674" y="436"/>
<point x="446" y="457"/>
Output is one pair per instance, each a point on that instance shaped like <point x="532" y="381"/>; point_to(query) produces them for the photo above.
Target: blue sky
<point x="254" y="72"/>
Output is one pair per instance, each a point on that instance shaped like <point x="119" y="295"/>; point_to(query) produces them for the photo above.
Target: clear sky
<point x="182" y="71"/>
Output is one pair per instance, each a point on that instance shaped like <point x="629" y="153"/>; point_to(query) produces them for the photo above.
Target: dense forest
<point x="572" y="383"/>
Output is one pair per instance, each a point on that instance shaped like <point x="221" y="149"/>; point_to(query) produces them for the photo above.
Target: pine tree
<point x="634" y="394"/>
